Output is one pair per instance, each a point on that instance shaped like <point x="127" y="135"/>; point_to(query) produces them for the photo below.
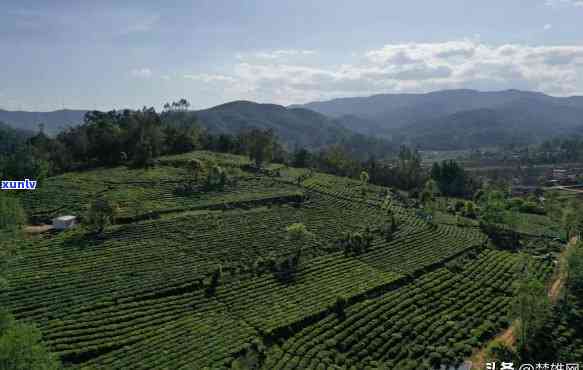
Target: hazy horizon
<point x="105" y="55"/>
<point x="158" y="107"/>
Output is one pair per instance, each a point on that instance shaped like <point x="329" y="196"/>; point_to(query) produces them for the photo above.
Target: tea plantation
<point x="193" y="280"/>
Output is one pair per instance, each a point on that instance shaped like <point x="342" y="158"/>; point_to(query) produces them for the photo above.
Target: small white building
<point x="64" y="222"/>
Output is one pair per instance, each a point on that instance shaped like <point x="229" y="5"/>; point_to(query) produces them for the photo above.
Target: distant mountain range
<point x="449" y="119"/>
<point x="10" y="137"/>
<point x="53" y="121"/>
<point x="458" y="119"/>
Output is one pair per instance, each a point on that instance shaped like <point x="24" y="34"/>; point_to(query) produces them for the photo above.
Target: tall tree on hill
<point x="301" y="158"/>
<point x="181" y="128"/>
<point x="409" y="167"/>
<point x="259" y="145"/>
<point x="101" y="213"/>
<point x="452" y="179"/>
<point x="298" y="234"/>
<point x="24" y="164"/>
<point x="531" y="307"/>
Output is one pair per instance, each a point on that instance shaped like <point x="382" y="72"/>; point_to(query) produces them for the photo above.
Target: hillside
<point x="293" y="126"/>
<point x="449" y="119"/>
<point x="296" y="127"/>
<point x="521" y="122"/>
<point x="53" y="121"/>
<point x="525" y="116"/>
<point x="10" y="138"/>
<point x="208" y="279"/>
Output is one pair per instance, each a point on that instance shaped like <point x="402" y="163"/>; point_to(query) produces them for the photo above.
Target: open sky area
<point x="112" y="54"/>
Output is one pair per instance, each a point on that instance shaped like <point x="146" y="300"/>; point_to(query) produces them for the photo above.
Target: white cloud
<point x="141" y="73"/>
<point x="275" y="54"/>
<point x="205" y="77"/>
<point x="547" y="26"/>
<point x="408" y="67"/>
<point x="559" y="3"/>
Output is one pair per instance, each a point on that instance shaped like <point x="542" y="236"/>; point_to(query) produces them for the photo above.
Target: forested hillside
<point x="459" y="119"/>
<point x="11" y="138"/>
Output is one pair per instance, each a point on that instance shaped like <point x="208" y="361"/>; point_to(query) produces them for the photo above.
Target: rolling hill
<point x="295" y="126"/>
<point x="450" y="119"/>
<point x="53" y="121"/>
<point x="471" y="117"/>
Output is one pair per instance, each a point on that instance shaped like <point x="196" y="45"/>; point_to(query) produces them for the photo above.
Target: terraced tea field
<point x="195" y="288"/>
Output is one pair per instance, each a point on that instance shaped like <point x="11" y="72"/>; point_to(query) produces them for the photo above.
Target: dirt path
<point x="567" y="188"/>
<point x="507" y="337"/>
<point x="559" y="279"/>
<point x="37" y="229"/>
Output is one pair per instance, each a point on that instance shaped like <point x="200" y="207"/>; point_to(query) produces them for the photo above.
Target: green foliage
<point x="101" y="213"/>
<point x="572" y="218"/>
<point x="355" y="243"/>
<point x="575" y="269"/>
<point x="493" y="207"/>
<point x="469" y="209"/>
<point x="531" y="308"/>
<point x="301" y="158"/>
<point x="409" y="171"/>
<point x="217" y="178"/>
<point x="452" y="180"/>
<point x="107" y="138"/>
<point x="21" y="347"/>
<point x="498" y="351"/>
<point x="23" y="164"/>
<point x="336" y="160"/>
<point x="12" y="215"/>
<point x="259" y="145"/>
<point x="298" y="233"/>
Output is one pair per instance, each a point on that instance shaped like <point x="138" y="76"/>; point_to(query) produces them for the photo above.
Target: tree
<point x="364" y="178"/>
<point x="101" y="213"/>
<point x="21" y="347"/>
<point x="301" y="158"/>
<point x="571" y="218"/>
<point x="452" y="180"/>
<point x="216" y="278"/>
<point x="469" y="209"/>
<point x="426" y="198"/>
<point x="493" y="207"/>
<point x="24" y="164"/>
<point x="339" y="307"/>
<point x="12" y="215"/>
<point x="531" y="307"/>
<point x="409" y="170"/>
<point x="259" y="145"/>
<point x="217" y="178"/>
<point x="575" y="269"/>
<point x="181" y="128"/>
<point x="298" y="234"/>
<point x="195" y="167"/>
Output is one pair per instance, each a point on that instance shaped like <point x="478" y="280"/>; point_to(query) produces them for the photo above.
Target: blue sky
<point x="113" y="54"/>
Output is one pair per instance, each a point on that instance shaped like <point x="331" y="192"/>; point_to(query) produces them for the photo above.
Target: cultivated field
<point x="143" y="294"/>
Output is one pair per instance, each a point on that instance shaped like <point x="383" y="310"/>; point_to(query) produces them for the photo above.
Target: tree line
<point x="137" y="137"/>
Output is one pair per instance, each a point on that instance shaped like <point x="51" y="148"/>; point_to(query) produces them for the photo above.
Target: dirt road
<point x="37" y="229"/>
<point x="507" y="337"/>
